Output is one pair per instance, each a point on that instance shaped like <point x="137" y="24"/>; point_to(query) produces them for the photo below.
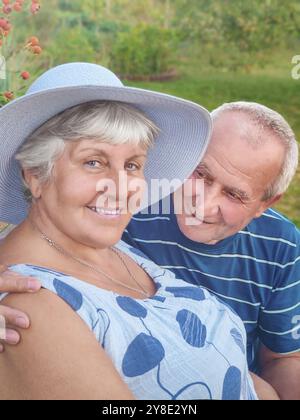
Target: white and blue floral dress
<point x="183" y="343"/>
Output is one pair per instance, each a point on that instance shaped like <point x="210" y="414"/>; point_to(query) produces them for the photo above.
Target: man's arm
<point x="11" y="282"/>
<point x="282" y="372"/>
<point x="58" y="357"/>
<point x="263" y="389"/>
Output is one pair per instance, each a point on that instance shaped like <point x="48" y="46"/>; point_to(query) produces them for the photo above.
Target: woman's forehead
<point x="87" y="146"/>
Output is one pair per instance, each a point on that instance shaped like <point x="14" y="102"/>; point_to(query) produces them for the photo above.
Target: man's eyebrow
<point x="242" y="194"/>
<point x="204" y="167"/>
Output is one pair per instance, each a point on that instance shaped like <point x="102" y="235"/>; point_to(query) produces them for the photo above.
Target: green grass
<point x="278" y="91"/>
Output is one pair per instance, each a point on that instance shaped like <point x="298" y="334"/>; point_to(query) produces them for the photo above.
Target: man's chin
<point x="202" y="232"/>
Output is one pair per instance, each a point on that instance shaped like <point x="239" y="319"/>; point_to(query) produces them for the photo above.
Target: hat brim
<point x="185" y="130"/>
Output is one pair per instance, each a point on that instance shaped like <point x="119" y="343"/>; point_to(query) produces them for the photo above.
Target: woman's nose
<point x="113" y="186"/>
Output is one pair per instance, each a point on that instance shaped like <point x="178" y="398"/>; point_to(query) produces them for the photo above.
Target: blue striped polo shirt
<point x="256" y="272"/>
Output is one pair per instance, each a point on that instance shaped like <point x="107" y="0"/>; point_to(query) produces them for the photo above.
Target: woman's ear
<point x="32" y="182"/>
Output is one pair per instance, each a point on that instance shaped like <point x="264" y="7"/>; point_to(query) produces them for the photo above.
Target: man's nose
<point x="212" y="201"/>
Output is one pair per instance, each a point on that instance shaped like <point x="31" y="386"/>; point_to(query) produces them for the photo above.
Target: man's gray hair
<point x="104" y="121"/>
<point x="271" y="121"/>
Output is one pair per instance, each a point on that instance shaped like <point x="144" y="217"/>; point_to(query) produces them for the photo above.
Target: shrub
<point x="144" y="50"/>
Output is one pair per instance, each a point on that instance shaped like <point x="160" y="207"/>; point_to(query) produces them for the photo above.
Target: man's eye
<point x="233" y="196"/>
<point x="199" y="174"/>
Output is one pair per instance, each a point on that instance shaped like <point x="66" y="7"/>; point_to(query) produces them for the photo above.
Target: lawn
<point x="278" y="91"/>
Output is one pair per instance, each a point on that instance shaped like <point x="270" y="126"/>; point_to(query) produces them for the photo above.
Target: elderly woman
<point x="108" y="323"/>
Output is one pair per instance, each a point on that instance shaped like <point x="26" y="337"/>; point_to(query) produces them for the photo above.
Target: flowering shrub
<point x="15" y="54"/>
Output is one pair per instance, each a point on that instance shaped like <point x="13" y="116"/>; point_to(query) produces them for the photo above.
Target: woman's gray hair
<point x="104" y="121"/>
<point x="271" y="121"/>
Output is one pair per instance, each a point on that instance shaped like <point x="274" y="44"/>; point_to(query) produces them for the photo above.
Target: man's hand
<point x="10" y="318"/>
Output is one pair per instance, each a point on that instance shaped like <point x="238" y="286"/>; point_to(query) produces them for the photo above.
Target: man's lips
<point x="205" y="222"/>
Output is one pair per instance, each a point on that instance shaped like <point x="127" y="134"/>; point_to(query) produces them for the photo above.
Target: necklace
<point x="62" y="251"/>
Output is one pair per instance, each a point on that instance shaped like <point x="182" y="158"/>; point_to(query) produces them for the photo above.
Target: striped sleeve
<point x="279" y="325"/>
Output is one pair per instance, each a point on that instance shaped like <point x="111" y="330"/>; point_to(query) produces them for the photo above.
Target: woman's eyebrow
<point x="106" y="155"/>
<point x="94" y="150"/>
<point x="137" y="156"/>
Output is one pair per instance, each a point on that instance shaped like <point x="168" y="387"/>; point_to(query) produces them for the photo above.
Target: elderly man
<point x="243" y="251"/>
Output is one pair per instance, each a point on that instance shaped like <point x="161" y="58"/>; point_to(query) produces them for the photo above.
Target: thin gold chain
<point x="54" y="245"/>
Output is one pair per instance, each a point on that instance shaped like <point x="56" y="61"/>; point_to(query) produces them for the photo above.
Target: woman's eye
<point x="93" y="163"/>
<point x="132" y="166"/>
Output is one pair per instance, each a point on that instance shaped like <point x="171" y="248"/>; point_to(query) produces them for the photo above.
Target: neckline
<point x="120" y="246"/>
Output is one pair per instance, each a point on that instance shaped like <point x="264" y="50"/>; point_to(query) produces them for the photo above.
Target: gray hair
<point x="104" y="121"/>
<point x="271" y="121"/>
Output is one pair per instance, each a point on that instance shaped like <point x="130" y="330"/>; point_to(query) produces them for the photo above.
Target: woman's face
<point x="88" y="198"/>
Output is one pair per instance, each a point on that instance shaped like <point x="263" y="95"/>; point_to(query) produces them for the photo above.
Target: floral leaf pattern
<point x="192" y="329"/>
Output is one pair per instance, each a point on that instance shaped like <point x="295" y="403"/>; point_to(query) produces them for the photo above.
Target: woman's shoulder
<point x="57" y="341"/>
<point x="73" y="291"/>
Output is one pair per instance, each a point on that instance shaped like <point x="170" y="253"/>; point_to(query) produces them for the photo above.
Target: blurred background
<point x="208" y="51"/>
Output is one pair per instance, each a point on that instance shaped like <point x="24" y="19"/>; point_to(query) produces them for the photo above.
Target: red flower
<point x="25" y="75"/>
<point x="17" y="7"/>
<point x="5" y="24"/>
<point x="33" y="41"/>
<point x="7" y="9"/>
<point x="37" y="49"/>
<point x="35" y="7"/>
<point x="8" y="95"/>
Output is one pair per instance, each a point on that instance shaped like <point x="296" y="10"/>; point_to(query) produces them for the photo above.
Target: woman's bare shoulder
<point x="58" y="356"/>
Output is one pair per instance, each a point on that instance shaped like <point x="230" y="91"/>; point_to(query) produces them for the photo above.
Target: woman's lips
<point x="107" y="213"/>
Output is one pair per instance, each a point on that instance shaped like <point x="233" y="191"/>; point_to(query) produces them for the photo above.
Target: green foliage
<point x="230" y="35"/>
<point x="245" y="30"/>
<point x="144" y="50"/>
<point x="73" y="43"/>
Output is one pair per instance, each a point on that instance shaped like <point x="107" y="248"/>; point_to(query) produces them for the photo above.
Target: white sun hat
<point x="185" y="127"/>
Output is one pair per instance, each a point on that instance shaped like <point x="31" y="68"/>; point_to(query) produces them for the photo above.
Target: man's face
<point x="236" y="176"/>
